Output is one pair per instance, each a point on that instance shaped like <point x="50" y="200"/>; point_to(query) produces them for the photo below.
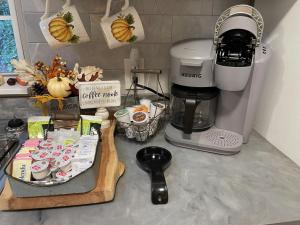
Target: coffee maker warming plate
<point x="214" y="140"/>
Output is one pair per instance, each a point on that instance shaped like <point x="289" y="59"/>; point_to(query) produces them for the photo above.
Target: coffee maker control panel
<point x="199" y="74"/>
<point x="192" y="63"/>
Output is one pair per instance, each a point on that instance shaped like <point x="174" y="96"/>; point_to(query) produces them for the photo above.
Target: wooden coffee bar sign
<point x="98" y="94"/>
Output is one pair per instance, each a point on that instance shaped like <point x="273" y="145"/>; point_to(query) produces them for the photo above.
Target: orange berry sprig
<point x="58" y="68"/>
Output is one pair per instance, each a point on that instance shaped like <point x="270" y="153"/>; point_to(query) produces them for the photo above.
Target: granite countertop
<point x="257" y="186"/>
<point x="3" y="124"/>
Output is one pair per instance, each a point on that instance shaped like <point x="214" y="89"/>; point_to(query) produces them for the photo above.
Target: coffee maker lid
<point x="193" y="49"/>
<point x="198" y="93"/>
<point x="252" y="22"/>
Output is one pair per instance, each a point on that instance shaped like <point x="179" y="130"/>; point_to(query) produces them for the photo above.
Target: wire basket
<point x="157" y="111"/>
<point x="142" y="133"/>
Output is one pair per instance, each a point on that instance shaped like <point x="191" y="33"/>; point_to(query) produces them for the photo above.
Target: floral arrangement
<point x="55" y="81"/>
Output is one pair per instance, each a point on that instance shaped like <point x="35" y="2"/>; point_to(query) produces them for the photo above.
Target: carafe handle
<point x="190" y="107"/>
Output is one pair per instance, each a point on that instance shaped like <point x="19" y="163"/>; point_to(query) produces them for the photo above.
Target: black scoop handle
<point x="159" y="189"/>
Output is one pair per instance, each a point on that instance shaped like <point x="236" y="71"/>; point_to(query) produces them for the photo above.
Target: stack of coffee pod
<point x="52" y="158"/>
<point x="63" y="155"/>
<point x="140" y="121"/>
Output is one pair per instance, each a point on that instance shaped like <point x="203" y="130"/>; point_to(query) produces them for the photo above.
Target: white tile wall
<point x="89" y="6"/>
<point x="91" y="53"/>
<point x="220" y="5"/>
<point x="158" y="28"/>
<point x="193" y="27"/>
<point x="165" y="22"/>
<point x="185" y="7"/>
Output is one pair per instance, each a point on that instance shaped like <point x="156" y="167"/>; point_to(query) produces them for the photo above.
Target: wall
<point x="278" y="116"/>
<point x="165" y="22"/>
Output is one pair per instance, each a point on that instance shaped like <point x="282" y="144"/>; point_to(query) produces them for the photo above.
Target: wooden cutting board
<point x="111" y="169"/>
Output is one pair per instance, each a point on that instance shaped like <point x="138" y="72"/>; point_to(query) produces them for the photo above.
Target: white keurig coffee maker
<point x="216" y="84"/>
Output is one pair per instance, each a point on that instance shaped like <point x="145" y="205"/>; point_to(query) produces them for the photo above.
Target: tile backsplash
<point x="165" y="22"/>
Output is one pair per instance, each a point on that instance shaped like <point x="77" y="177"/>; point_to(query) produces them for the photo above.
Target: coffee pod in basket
<point x="64" y="163"/>
<point x="58" y="147"/>
<point x="141" y="133"/>
<point x="122" y="117"/>
<point x="130" y="133"/>
<point x="46" y="145"/>
<point x="55" y="154"/>
<point x="70" y="151"/>
<point x="53" y="166"/>
<point x="40" y="169"/>
<point x="156" y="109"/>
<point x="153" y="126"/>
<point x="146" y="102"/>
<point x="140" y="108"/>
<point x="40" y="155"/>
<point x="140" y="118"/>
<point x="131" y="111"/>
<point x="61" y="175"/>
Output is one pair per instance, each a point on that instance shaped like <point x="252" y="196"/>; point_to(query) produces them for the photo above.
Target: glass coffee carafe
<point x="193" y="109"/>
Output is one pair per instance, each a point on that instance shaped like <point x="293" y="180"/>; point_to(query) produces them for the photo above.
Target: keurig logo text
<point x="192" y="75"/>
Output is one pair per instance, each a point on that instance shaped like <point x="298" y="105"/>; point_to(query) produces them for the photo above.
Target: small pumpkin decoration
<point x="59" y="87"/>
<point x="61" y="29"/>
<point x="122" y="29"/>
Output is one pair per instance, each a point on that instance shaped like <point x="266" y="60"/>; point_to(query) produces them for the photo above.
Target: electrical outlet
<point x="152" y="82"/>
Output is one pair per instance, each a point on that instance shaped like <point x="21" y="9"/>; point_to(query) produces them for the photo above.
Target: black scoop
<point x="154" y="160"/>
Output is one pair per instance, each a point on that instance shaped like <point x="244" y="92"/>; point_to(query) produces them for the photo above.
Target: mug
<point x="122" y="28"/>
<point x="64" y="28"/>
